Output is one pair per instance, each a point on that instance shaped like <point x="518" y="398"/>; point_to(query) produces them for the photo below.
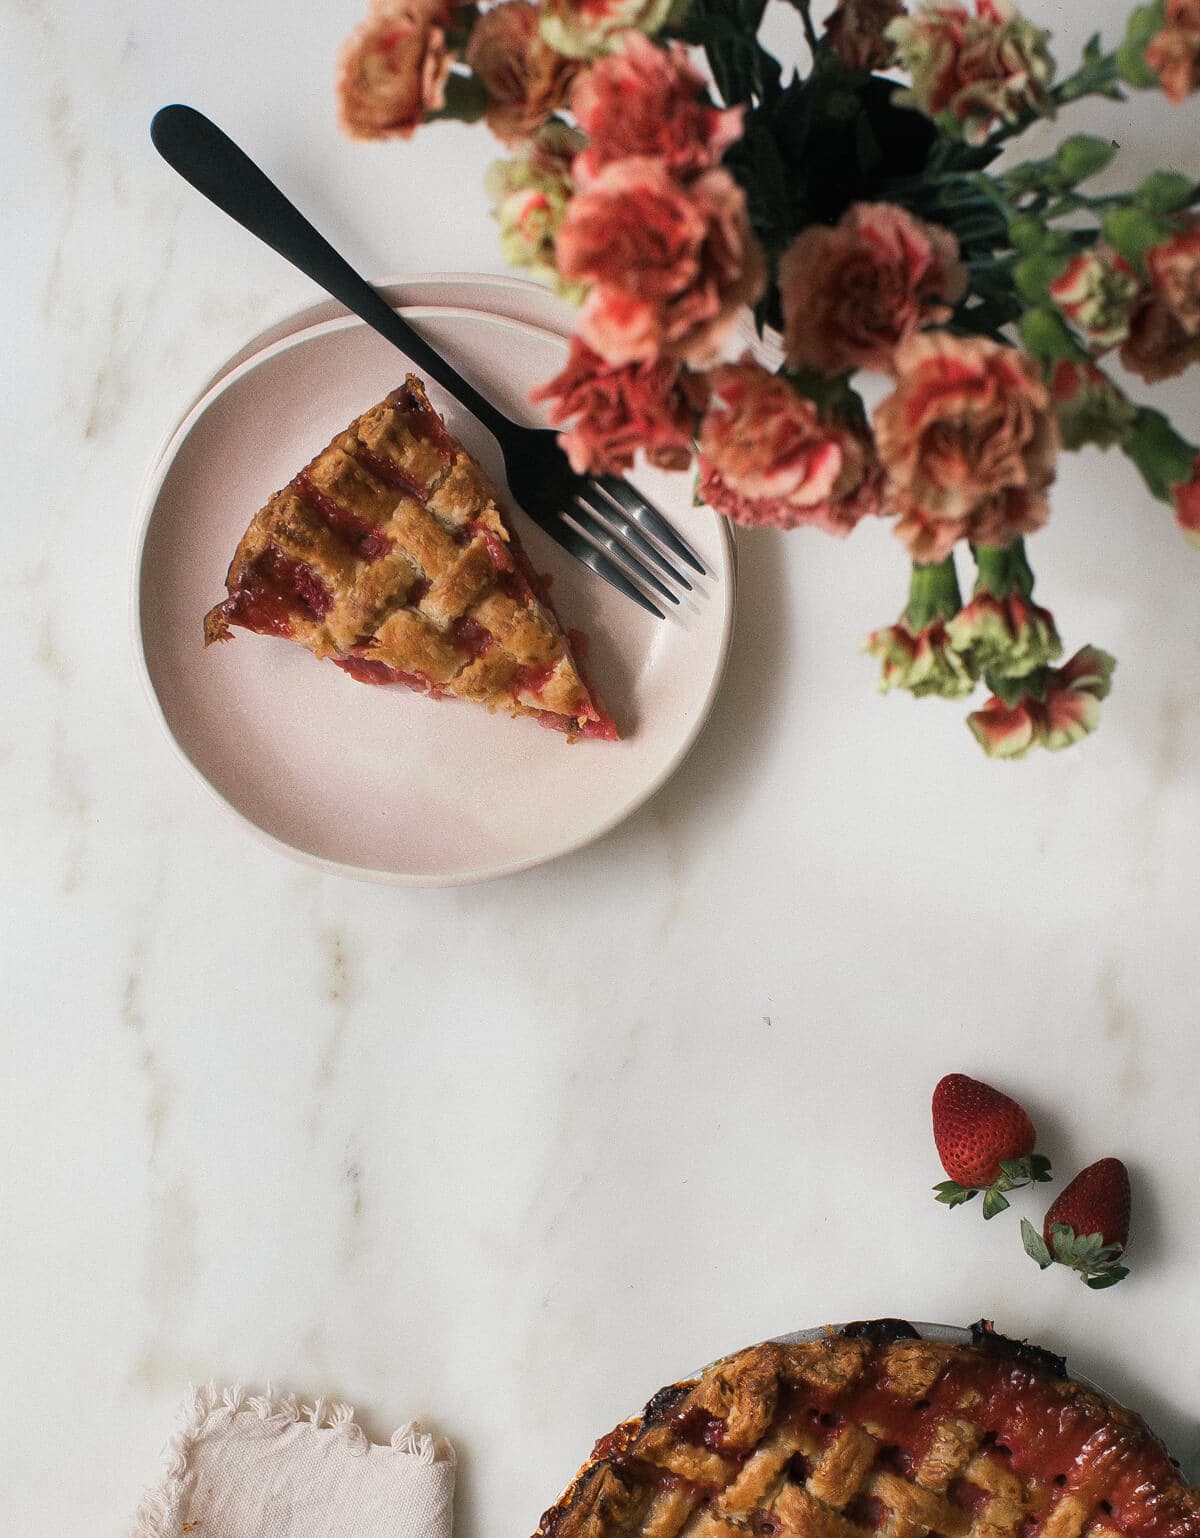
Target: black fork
<point x="601" y="520"/>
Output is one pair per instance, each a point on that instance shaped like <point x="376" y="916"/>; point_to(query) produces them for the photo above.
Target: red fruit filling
<point x="474" y="638"/>
<point x="531" y="680"/>
<point x="423" y="421"/>
<point x="368" y="670"/>
<point x="274" y="587"/>
<point x="391" y="474"/>
<point x="496" y="547"/>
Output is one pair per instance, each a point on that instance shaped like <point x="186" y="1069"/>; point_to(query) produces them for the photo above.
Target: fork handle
<point x="209" y="159"/>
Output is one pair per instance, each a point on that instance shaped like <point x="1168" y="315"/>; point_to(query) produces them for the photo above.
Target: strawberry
<point x="985" y="1142"/>
<point x="1087" y="1227"/>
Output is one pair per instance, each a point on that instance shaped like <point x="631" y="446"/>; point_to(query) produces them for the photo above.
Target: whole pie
<point x="388" y="555"/>
<point x="873" y="1432"/>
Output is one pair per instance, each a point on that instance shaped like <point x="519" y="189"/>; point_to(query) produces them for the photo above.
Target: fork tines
<point x="620" y="525"/>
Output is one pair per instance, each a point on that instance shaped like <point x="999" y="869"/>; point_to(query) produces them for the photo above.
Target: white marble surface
<point x="508" y="1157"/>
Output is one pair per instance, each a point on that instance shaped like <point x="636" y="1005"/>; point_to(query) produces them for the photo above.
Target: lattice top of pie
<point x="878" y="1437"/>
<point x="388" y="554"/>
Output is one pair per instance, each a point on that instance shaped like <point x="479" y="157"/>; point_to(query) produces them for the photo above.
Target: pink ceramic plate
<point x="379" y="782"/>
<point x="514" y="298"/>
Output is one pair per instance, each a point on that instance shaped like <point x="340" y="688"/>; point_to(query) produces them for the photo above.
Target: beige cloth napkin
<point x="244" y="1466"/>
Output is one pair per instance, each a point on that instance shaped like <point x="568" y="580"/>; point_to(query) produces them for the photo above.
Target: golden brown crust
<point x="387" y="552"/>
<point x="879" y="1438"/>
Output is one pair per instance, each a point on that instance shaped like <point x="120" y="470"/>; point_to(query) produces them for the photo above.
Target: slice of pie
<point x="388" y="555"/>
<point x="874" y="1432"/>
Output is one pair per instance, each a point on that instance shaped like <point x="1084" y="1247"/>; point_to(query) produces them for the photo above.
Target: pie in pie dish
<point x="874" y="1432"/>
<point x="388" y="555"/>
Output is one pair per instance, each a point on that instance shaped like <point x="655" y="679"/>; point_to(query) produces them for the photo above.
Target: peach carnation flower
<point x="966" y="70"/>
<point x="1164" y="333"/>
<point x="1174" y="52"/>
<point x="857" y="32"/>
<point x="523" y="78"/>
<point x="1187" y="505"/>
<point x="853" y="293"/>
<point x="923" y="662"/>
<point x="392" y="69"/>
<point x="766" y="457"/>
<point x="646" y="100"/>
<point x="1068" y="709"/>
<point x="652" y="406"/>
<point x="1097" y="291"/>
<point x="672" y="264"/>
<point x="968" y="439"/>
<point x="584" y="29"/>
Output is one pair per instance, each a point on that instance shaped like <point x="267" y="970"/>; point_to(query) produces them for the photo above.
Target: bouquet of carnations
<point x="871" y="215"/>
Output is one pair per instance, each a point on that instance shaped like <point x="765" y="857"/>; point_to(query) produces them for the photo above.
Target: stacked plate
<point x="376" y="782"/>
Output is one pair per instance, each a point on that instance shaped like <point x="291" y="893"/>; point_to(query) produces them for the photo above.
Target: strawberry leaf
<point x="1039" y="1167"/>
<point x="1108" y="1278"/>
<point x="1088" y="1254"/>
<point x="1035" y="1245"/>
<point x="954" y="1195"/>
<point x="993" y="1202"/>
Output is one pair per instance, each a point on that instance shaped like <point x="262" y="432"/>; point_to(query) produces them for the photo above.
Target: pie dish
<point x="872" y="1431"/>
<point x="389" y="555"/>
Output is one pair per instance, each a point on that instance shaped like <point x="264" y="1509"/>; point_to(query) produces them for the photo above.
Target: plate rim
<point x="149" y="492"/>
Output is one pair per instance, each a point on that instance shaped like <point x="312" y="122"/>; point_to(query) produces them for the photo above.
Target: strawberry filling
<point x="274" y="587"/>
<point x="474" y="638"/>
<point x="369" y="670"/>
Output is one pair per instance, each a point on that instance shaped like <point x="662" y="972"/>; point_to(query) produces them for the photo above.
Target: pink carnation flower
<point x="1097" y="291"/>
<point x="966" y="70"/>
<point x="1187" y="505"/>
<point x="1164" y="333"/>
<point x="1173" y="53"/>
<point x="524" y="80"/>
<point x="652" y="406"/>
<point x="853" y="293"/>
<point x="766" y="457"/>
<point x="672" y="265"/>
<point x="857" y="32"/>
<point x="968" y="439"/>
<point x="1068" y="709"/>
<point x="923" y="663"/>
<point x="392" y="70"/>
<point x="646" y="100"/>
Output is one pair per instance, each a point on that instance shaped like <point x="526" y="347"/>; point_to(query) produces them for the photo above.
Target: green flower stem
<point x="1095" y="77"/>
<point x="933" y="594"/>
<point x="1003" y="569"/>
<point x="810" y="32"/>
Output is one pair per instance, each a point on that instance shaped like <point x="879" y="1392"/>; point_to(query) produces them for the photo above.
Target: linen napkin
<point x="244" y="1466"/>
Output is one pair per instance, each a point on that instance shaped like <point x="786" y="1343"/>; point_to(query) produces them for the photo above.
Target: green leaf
<point x="1163" y="457"/>
<point x="1034" y="274"/>
<point x="1039" y="1164"/>
<point x="1133" y="231"/>
<point x="1035" y="1245"/>
<point x="1081" y="156"/>
<point x="954" y="1195"/>
<point x="466" y="100"/>
<point x="1028" y="233"/>
<point x="993" y="1202"/>
<point x="1131" y="55"/>
<point x="1164" y="192"/>
<point x="1108" y="1278"/>
<point x="1047" y="338"/>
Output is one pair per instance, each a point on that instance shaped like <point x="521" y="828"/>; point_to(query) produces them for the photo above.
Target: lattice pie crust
<point x="874" y="1437"/>
<point x="388" y="554"/>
